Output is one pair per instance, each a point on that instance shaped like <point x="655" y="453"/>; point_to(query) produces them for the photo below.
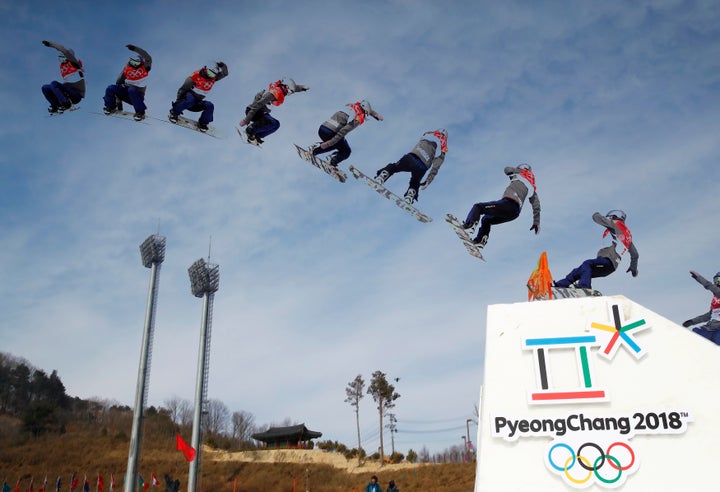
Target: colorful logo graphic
<point x="587" y="448"/>
<point x="547" y="394"/>
<point x="619" y="335"/>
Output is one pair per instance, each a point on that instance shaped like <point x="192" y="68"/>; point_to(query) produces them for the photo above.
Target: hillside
<point x="88" y="451"/>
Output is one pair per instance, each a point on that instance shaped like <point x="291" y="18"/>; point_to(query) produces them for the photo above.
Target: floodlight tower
<point x="204" y="282"/>
<point x="152" y="252"/>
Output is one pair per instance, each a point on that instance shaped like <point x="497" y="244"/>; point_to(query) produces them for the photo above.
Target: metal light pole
<point x="152" y="252"/>
<point x="467" y="424"/>
<point x="204" y="282"/>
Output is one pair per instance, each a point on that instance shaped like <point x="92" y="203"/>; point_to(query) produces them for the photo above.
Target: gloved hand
<point x="131" y="47"/>
<point x="687" y="324"/>
<point x="633" y="271"/>
<point x="46" y="43"/>
<point x="694" y="274"/>
<point x="243" y="122"/>
<point x="316" y="149"/>
<point x="536" y="228"/>
<point x="424" y="185"/>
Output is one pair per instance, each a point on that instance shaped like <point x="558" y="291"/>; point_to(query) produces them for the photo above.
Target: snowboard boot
<point x="107" y="111"/>
<point x="202" y="127"/>
<point x="52" y="110"/>
<point x="480" y="242"/>
<point x="382" y="176"/>
<point x="469" y="225"/>
<point x="410" y="196"/>
<point x="333" y="161"/>
<point x="139" y="116"/>
<point x="172" y="117"/>
<point x="66" y="105"/>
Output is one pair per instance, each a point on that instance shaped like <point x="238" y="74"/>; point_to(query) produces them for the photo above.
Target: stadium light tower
<point x="152" y="253"/>
<point x="204" y="282"/>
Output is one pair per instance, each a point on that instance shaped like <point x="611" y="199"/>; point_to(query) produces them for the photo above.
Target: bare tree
<point x="218" y="417"/>
<point x="180" y="410"/>
<point x="243" y="426"/>
<point x="354" y="393"/>
<point x="384" y="395"/>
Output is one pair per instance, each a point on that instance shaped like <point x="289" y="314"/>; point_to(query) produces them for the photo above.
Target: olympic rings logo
<point x="592" y="466"/>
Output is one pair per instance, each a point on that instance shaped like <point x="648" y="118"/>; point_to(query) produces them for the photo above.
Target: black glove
<point x="694" y="274"/>
<point x="46" y="43"/>
<point x="687" y="324"/>
<point x="535" y="228"/>
<point x="221" y="64"/>
<point x="316" y="150"/>
<point x="130" y="47"/>
<point x="633" y="271"/>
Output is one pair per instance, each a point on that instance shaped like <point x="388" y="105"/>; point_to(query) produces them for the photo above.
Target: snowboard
<point x="244" y="137"/>
<point x="68" y="110"/>
<point x="567" y="293"/>
<point x="192" y="125"/>
<point x="471" y="248"/>
<point x="400" y="202"/>
<point x="125" y="115"/>
<point x="321" y="164"/>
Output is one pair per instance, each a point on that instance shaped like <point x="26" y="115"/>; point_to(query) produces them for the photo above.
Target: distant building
<point x="295" y="436"/>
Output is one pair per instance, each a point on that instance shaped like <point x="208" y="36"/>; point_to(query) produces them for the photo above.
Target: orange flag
<point x="181" y="445"/>
<point x="540" y="282"/>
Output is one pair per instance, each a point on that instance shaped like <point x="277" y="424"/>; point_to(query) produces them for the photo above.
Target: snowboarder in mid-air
<point x="522" y="184"/>
<point x="191" y="95"/>
<point x="711" y="328"/>
<point x="608" y="258"/>
<point x="333" y="131"/>
<point x="62" y="95"/>
<point x="130" y="84"/>
<point x="257" y="115"/>
<point x="417" y="162"/>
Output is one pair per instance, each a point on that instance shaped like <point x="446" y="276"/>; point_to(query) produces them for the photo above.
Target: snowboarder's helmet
<point x="616" y="215"/>
<point x="525" y="165"/>
<point x="365" y="105"/>
<point x="211" y="72"/>
<point x="135" y="61"/>
<point x="716" y="279"/>
<point x="290" y="85"/>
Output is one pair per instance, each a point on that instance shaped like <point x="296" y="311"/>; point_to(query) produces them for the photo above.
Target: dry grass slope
<point x="89" y="452"/>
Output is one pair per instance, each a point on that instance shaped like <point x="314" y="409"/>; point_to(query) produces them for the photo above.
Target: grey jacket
<point x="79" y="86"/>
<point x="517" y="190"/>
<point x="341" y="123"/>
<point x="147" y="61"/>
<point x="189" y="85"/>
<point x="263" y="100"/>
<point x="425" y="151"/>
<point x="610" y="252"/>
<point x="712" y="324"/>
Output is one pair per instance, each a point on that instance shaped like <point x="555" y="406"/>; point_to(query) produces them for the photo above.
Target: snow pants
<point x="589" y="269"/>
<point x="262" y="124"/>
<point x="497" y="212"/>
<point x="195" y="104"/>
<point x="411" y="164"/>
<point x="59" y="94"/>
<point x="342" y="148"/>
<point x="712" y="335"/>
<point x="126" y="93"/>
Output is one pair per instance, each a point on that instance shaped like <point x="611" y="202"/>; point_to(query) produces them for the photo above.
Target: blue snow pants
<point x="497" y="212"/>
<point x="408" y="163"/>
<point x="194" y="104"/>
<point x="59" y="94"/>
<point x="712" y="335"/>
<point x="126" y="93"/>
<point x="342" y="147"/>
<point x="262" y="124"/>
<point x="589" y="269"/>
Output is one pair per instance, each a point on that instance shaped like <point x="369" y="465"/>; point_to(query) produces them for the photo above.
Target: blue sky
<point x="615" y="104"/>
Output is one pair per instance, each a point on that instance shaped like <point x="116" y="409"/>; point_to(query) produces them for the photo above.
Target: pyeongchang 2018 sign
<point x="588" y="448"/>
